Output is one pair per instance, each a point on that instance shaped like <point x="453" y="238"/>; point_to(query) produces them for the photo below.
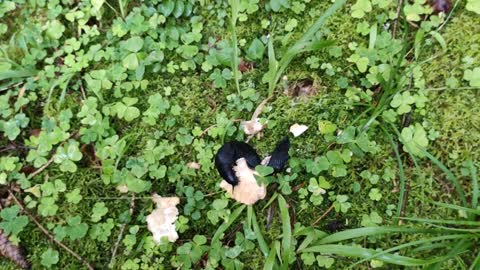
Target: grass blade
<point x="286" y="230"/>
<point x="233" y="22"/>
<point x="369" y="231"/>
<point x="270" y="261"/>
<point x="450" y="176"/>
<point x="258" y="234"/>
<point x="445" y="221"/>
<point x="227" y="223"/>
<point x="12" y="74"/>
<point x="473" y="172"/>
<point x="412" y="243"/>
<point x="401" y="173"/>
<point x="476" y="263"/>
<point x="359" y="252"/>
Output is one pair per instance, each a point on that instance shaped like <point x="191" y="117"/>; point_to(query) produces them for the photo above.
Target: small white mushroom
<point x="248" y="191"/>
<point x="161" y="222"/>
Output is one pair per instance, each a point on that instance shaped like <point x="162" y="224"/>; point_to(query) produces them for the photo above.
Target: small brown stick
<point x="83" y="91"/>
<point x="122" y="231"/>
<point x="324" y="215"/>
<point x="260" y="107"/>
<point x="48" y="234"/>
<point x="399" y="9"/>
<point x="44" y="166"/>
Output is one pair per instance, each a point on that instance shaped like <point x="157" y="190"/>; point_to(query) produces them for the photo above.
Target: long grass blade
<point x="286" y="230"/>
<point x="445" y="221"/>
<point x="359" y="252"/>
<point x="457" y="207"/>
<point x="227" y="223"/>
<point x="258" y="234"/>
<point x="412" y="243"/>
<point x="13" y="74"/>
<point x="475" y="191"/>
<point x="476" y="263"/>
<point x="270" y="261"/>
<point x="233" y="22"/>
<point x="401" y="173"/>
<point x="369" y="231"/>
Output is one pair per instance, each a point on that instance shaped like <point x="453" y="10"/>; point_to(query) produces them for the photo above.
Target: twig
<point x="324" y="215"/>
<point x="44" y="166"/>
<point x="48" y="234"/>
<point x="259" y="109"/>
<point x="122" y="230"/>
<point x="39" y="170"/>
<point x="399" y="9"/>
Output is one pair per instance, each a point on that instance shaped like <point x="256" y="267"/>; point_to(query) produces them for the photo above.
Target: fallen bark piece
<point x="298" y="130"/>
<point x="161" y="222"/>
<point x="247" y="191"/>
<point x="13" y="252"/>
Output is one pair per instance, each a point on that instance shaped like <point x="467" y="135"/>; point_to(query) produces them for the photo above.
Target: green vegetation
<point x="105" y="102"/>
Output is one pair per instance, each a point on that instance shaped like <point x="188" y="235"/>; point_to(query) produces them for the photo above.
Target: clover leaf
<point x="402" y="102"/>
<point x="66" y="155"/>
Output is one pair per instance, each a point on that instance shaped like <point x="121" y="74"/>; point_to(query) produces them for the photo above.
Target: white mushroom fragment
<point x="161" y="222"/>
<point x="252" y="127"/>
<point x="297" y="129"/>
<point x="247" y="191"/>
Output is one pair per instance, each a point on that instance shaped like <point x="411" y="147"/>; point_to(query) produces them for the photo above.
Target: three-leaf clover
<point x="49" y="257"/>
<point x="414" y="138"/>
<point x="402" y="102"/>
<point x="66" y="155"/>
<point x="473" y="76"/>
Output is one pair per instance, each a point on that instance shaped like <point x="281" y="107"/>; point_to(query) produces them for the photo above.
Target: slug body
<point x="230" y="152"/>
<point x="228" y="155"/>
<point x="279" y="156"/>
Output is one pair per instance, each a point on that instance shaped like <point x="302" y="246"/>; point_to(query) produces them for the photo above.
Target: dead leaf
<point x="252" y="127"/>
<point x="161" y="222"/>
<point x="247" y="191"/>
<point x="440" y="6"/>
<point x="297" y="129"/>
<point x="303" y="88"/>
<point x="245" y="66"/>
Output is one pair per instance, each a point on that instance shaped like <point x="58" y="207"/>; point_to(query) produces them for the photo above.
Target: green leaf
<point x="49" y="257"/>
<point x="472" y="76"/>
<point x="166" y="7"/>
<point x="130" y="62"/>
<point x="133" y="44"/>
<point x="256" y="49"/>
<point x="12" y="223"/>
<point x="264" y="170"/>
<point x="360" y="8"/>
<point x="98" y="211"/>
<point x="473" y="5"/>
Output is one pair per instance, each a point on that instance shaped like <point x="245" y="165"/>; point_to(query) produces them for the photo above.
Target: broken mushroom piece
<point x="252" y="127"/>
<point x="297" y="129"/>
<point x="247" y="191"/>
<point x="161" y="222"/>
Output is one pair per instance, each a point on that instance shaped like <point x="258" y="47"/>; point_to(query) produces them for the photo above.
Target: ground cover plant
<point x="105" y="102"/>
